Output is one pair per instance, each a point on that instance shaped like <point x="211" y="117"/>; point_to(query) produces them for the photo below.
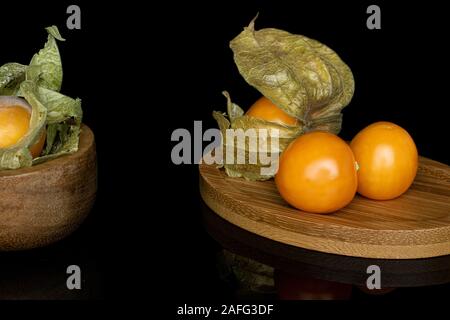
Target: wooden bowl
<point x="44" y="203"/>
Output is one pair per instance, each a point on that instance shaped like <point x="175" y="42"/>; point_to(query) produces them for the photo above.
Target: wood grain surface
<point x="46" y="202"/>
<point x="415" y="225"/>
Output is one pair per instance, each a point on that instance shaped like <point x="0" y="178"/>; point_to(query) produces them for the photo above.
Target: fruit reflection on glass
<point x="296" y="287"/>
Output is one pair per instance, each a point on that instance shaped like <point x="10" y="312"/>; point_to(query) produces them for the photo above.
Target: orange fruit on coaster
<point x="15" y="114"/>
<point x="317" y="173"/>
<point x="264" y="109"/>
<point x="387" y="158"/>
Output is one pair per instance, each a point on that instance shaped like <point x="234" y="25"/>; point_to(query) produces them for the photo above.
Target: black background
<point x="144" y="70"/>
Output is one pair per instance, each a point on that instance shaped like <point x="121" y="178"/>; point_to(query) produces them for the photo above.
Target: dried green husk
<point x="236" y="119"/>
<point x="39" y="84"/>
<point x="11" y="76"/>
<point x="300" y="75"/>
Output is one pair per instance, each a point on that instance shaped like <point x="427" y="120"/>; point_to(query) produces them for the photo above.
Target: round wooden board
<point x="415" y="225"/>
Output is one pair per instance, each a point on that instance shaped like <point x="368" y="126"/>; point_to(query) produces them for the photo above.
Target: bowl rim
<point x="86" y="142"/>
